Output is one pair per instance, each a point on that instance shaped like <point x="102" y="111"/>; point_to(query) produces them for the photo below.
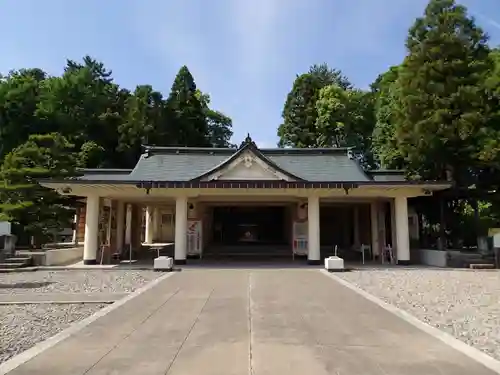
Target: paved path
<point x="257" y="322"/>
<point x="28" y="298"/>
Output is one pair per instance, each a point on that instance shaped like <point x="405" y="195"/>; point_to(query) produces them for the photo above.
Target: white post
<point x="357" y="243"/>
<point x="90" y="243"/>
<point x="148" y="238"/>
<point x="313" y="253"/>
<point x="76" y="219"/>
<point x="374" y="228"/>
<point x="402" y="234"/>
<point x="180" y="230"/>
<point x="128" y="224"/>
<point x="120" y="225"/>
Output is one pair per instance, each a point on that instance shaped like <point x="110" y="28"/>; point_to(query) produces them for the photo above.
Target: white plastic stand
<point x="334" y="264"/>
<point x="163" y="263"/>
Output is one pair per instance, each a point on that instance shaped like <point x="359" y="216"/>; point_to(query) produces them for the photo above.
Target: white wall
<point x="4" y="228"/>
<point x="58" y="257"/>
<point x="436" y="258"/>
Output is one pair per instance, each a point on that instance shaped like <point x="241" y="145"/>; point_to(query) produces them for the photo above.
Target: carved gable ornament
<point x="248" y="164"/>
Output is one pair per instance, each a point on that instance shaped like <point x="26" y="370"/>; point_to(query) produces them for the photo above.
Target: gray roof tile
<point x="184" y="164"/>
<point x="317" y="167"/>
<point x="175" y="167"/>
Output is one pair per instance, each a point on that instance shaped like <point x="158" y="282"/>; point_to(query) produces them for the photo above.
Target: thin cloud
<point x="491" y="21"/>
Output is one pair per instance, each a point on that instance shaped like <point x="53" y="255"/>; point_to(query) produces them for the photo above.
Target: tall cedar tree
<point x="443" y="112"/>
<point x="299" y="113"/>
<point x="185" y="110"/>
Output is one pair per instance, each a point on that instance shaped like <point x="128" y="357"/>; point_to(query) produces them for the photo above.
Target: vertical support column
<point x="136" y="227"/>
<point x="180" y="230"/>
<point x="357" y="243"/>
<point x="156" y="223"/>
<point x="374" y="228"/>
<point x="402" y="233"/>
<point x="128" y="224"/>
<point x="90" y="243"/>
<point x="313" y="253"/>
<point x="120" y="225"/>
<point x="148" y="238"/>
<point x="394" y="241"/>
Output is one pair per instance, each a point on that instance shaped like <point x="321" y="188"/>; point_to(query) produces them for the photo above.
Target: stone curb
<point x="27" y="355"/>
<point x="60" y="298"/>
<point x="76" y="268"/>
<point x="473" y="353"/>
<point x="69" y="302"/>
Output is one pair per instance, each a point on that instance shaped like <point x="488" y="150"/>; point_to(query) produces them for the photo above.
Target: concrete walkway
<point x="290" y="321"/>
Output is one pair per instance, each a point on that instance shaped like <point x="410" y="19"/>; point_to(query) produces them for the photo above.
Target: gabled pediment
<point x="248" y="164"/>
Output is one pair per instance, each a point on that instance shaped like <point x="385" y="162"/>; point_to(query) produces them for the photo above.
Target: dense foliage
<point x="435" y="115"/>
<point x="50" y="125"/>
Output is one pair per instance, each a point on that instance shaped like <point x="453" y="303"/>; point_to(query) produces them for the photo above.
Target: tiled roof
<point x="185" y="164"/>
<point x="179" y="164"/>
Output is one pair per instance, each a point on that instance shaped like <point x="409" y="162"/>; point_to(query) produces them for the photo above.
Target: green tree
<point x="34" y="210"/>
<point x="494" y="79"/>
<point x="106" y="124"/>
<point x="384" y="146"/>
<point x="84" y="105"/>
<point x="145" y="122"/>
<point x="19" y="96"/>
<point x="219" y="126"/>
<point x="186" y="113"/>
<point x="345" y="119"/>
<point x="442" y="110"/>
<point x="299" y="113"/>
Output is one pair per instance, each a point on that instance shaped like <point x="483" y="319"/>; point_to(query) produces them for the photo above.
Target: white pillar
<point x="357" y="243"/>
<point x="374" y="228"/>
<point x="156" y="223"/>
<point x="128" y="224"/>
<point x="120" y="225"/>
<point x="90" y="243"/>
<point x="402" y="234"/>
<point x="394" y="241"/>
<point x="382" y="228"/>
<point x="148" y="238"/>
<point x="313" y="253"/>
<point x="180" y="230"/>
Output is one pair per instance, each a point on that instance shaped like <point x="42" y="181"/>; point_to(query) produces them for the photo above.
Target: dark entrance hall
<point x="249" y="233"/>
<point x="249" y="225"/>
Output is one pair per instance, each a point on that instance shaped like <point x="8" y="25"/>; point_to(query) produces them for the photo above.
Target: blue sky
<point x="244" y="53"/>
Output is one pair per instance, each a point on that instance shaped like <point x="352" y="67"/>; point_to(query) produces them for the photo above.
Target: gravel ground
<point x="22" y="326"/>
<point x="75" y="281"/>
<point x="465" y="304"/>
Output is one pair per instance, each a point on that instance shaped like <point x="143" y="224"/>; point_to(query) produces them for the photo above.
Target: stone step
<point x="11" y="265"/>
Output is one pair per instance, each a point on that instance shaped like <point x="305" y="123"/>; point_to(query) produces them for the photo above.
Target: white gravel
<point x="75" y="281"/>
<point x="463" y="303"/>
<point x="22" y="326"/>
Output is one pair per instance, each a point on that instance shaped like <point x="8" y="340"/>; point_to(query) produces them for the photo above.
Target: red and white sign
<point x="194" y="237"/>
